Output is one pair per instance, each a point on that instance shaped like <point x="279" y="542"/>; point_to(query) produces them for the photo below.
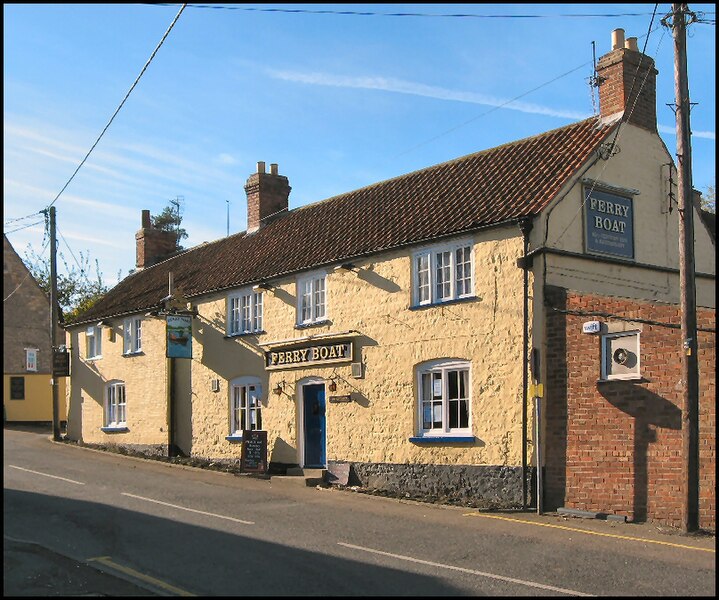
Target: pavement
<point x="33" y="570"/>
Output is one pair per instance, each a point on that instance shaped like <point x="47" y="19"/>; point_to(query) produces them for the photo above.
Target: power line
<point x="147" y="64"/>
<point x="407" y="14"/>
<point x="24" y="227"/>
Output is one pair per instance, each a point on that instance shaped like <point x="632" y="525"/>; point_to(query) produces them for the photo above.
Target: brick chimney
<point x="267" y="196"/>
<point x="625" y="71"/>
<point x="152" y="244"/>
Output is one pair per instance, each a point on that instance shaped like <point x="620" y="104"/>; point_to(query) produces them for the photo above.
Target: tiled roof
<point x="490" y="187"/>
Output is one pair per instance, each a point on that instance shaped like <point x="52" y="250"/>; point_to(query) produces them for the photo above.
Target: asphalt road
<point x="79" y="522"/>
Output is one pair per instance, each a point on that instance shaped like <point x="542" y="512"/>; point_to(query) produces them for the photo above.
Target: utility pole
<point x="54" y="325"/>
<point x="690" y="363"/>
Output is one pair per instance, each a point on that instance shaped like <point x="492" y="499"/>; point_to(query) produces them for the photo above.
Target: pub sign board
<point x="179" y="336"/>
<point x="60" y="363"/>
<point x="609" y="223"/>
<point x="298" y="356"/>
<point x="254" y="452"/>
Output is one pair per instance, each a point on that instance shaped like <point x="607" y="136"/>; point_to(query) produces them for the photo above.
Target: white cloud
<point x="419" y="89"/>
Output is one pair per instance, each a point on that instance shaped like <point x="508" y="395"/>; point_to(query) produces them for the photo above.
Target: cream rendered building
<point x="400" y="335"/>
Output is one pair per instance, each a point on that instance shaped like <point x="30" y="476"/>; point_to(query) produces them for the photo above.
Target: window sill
<point x="234" y="438"/>
<point x="315" y="324"/>
<point x="115" y="429"/>
<point x="231" y="336"/>
<point x="448" y="439"/>
<point x="92" y="358"/>
<point x="444" y="302"/>
<point x="131" y="354"/>
<point x="636" y="379"/>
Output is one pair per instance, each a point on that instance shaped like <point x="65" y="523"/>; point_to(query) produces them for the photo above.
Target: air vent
<point x="621" y="356"/>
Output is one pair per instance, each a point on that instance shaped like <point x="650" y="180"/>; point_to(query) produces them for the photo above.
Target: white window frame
<point x="245" y="405"/>
<point x="606" y="338"/>
<point x="245" y="310"/>
<point x="132" y="334"/>
<point x="437" y="274"/>
<point x="31" y="359"/>
<point x="441" y="395"/>
<point x="312" y="299"/>
<point x="93" y="335"/>
<point x="115" y="405"/>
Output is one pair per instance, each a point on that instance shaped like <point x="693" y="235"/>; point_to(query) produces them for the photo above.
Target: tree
<point x="170" y="219"/>
<point x="77" y="289"/>
<point x="709" y="200"/>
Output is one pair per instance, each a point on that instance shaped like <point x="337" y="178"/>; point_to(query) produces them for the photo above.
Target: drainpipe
<point x="525" y="226"/>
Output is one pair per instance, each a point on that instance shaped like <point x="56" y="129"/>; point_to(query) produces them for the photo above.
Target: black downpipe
<point x="525" y="226"/>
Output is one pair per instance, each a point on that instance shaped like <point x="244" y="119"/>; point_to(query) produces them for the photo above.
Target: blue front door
<point x="313" y="397"/>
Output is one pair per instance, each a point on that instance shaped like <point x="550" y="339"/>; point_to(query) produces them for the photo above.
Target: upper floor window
<point x="442" y="273"/>
<point x="115" y="405"/>
<point x="444" y="398"/>
<point x="133" y="335"/>
<point x="245" y="405"/>
<point x="244" y="312"/>
<point x="93" y="342"/>
<point x="312" y="299"/>
<point x="31" y="359"/>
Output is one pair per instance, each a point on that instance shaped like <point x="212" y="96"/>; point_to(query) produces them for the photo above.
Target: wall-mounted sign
<point x="60" y="363"/>
<point x="179" y="336"/>
<point x="609" y="223"/>
<point x="592" y="327"/>
<point x="295" y="356"/>
<point x="344" y="398"/>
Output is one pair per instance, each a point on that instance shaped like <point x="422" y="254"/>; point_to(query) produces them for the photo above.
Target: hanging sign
<point x="179" y="336"/>
<point x="609" y="223"/>
<point x="60" y="363"/>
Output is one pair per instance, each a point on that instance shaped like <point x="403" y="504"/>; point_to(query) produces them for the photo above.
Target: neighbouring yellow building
<point x="27" y="349"/>
<point x="405" y="336"/>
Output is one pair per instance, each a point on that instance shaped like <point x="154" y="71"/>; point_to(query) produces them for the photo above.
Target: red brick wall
<point x="616" y="447"/>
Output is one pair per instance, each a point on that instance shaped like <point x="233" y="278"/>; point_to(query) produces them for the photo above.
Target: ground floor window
<point x="17" y="388"/>
<point x="116" y="405"/>
<point x="245" y="405"/>
<point x="444" y="398"/>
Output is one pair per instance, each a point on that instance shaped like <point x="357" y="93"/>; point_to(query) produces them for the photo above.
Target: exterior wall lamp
<point x="279" y="388"/>
<point x="350" y="267"/>
<point x="332" y="387"/>
<point x="263" y="285"/>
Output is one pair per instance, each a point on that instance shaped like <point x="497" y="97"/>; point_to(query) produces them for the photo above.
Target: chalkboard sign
<point x="254" y="452"/>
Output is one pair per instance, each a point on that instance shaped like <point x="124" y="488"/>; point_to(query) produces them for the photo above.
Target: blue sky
<point x="339" y="101"/>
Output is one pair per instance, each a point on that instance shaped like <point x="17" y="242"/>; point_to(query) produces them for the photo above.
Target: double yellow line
<point x="611" y="535"/>
<point x="158" y="583"/>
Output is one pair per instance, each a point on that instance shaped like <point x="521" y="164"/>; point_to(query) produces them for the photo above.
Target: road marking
<point x="611" y="535"/>
<point x="106" y="560"/>
<point x="201" y="512"/>
<point x="533" y="584"/>
<point x="47" y="475"/>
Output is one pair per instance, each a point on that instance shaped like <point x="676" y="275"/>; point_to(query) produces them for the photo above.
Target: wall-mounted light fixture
<point x="332" y="387"/>
<point x="279" y="388"/>
<point x="263" y="285"/>
<point x="346" y="267"/>
<point x="101" y="324"/>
